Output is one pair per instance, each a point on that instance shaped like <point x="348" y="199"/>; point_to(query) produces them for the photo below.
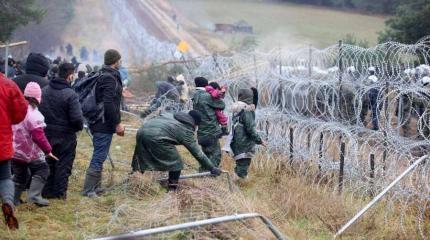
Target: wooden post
<point x="291" y="145"/>
<point x="372" y="171"/>
<point x="342" y="164"/>
<point x="320" y="151"/>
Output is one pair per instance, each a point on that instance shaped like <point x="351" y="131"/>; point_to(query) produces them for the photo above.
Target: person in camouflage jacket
<point x="156" y="143"/>
<point x="209" y="130"/>
<point x="245" y="135"/>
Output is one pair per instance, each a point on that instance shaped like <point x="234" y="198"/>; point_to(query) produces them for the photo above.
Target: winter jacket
<point x="29" y="141"/>
<point x="61" y="108"/>
<point x="156" y="143"/>
<point x="36" y="69"/>
<point x="244" y="133"/>
<point x="209" y="129"/>
<point x="108" y="91"/>
<point x="13" y="108"/>
<point x="23" y="80"/>
<point x="167" y="90"/>
<point x="216" y="94"/>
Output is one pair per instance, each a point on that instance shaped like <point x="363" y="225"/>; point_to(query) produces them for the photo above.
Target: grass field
<point x="288" y="25"/>
<point x="300" y="209"/>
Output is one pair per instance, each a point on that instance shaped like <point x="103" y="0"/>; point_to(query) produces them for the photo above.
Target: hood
<point x="246" y="95"/>
<point x="37" y="64"/>
<point x="239" y="106"/>
<point x="184" y="118"/>
<point x="59" y="83"/>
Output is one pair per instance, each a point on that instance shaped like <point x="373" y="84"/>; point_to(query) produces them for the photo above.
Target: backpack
<point x="86" y="90"/>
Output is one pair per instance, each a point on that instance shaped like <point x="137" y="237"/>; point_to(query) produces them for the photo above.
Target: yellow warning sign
<point x="182" y="47"/>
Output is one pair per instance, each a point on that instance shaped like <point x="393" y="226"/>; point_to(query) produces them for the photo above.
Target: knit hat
<point x="196" y="116"/>
<point x="33" y="90"/>
<point x="246" y="95"/>
<point x="201" y="82"/>
<point x="37" y="64"/>
<point x="111" y="57"/>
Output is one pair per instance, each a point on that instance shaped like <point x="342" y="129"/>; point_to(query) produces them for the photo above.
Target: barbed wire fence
<point x="350" y="116"/>
<point x="347" y="118"/>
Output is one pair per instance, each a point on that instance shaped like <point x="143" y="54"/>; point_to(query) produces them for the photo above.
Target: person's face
<point x="118" y="64"/>
<point x="70" y="78"/>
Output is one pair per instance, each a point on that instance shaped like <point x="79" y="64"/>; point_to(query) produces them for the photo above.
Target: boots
<point x="19" y="188"/>
<point x="173" y="181"/>
<point x="92" y="183"/>
<point x="8" y="208"/>
<point x="35" y="192"/>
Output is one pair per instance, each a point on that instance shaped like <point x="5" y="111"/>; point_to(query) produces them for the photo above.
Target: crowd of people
<point x="43" y="108"/>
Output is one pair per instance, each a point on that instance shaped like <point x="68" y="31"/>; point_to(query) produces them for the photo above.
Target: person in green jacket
<point x="209" y="130"/>
<point x="156" y="143"/>
<point x="245" y="135"/>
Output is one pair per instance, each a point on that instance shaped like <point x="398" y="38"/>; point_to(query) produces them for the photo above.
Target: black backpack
<point x="86" y="90"/>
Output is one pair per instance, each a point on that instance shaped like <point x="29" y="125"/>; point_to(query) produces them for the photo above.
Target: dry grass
<point x="301" y="209"/>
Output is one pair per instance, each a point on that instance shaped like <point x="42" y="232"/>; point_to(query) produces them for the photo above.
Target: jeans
<point x="7" y="188"/>
<point x="64" y="147"/>
<point x="101" y="143"/>
<point x="37" y="168"/>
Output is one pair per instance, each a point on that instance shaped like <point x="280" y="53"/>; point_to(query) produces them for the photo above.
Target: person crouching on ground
<point x="245" y="135"/>
<point x="31" y="146"/>
<point x="156" y="143"/>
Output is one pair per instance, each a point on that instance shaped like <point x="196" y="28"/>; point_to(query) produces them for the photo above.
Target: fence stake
<point x="320" y="151"/>
<point x="342" y="164"/>
<point x="291" y="145"/>
<point x="372" y="171"/>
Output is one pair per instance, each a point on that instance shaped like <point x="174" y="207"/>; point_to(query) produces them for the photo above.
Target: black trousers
<point x="22" y="171"/>
<point x="63" y="147"/>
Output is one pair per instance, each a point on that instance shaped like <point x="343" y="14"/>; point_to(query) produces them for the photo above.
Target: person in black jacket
<point x="36" y="69"/>
<point x="63" y="116"/>
<point x="109" y="92"/>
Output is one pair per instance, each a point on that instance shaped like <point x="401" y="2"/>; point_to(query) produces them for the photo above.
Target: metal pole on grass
<point x="194" y="224"/>
<point x="380" y="195"/>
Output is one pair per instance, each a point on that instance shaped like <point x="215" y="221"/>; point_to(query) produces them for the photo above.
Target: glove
<point x="216" y="171"/>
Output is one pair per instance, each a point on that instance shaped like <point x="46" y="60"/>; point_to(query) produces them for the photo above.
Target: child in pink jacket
<point x="31" y="147"/>
<point x="218" y="92"/>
